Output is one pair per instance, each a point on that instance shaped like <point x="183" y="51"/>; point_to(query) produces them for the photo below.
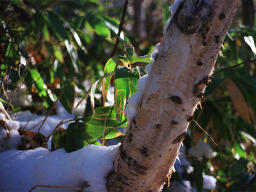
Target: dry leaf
<point x="238" y="100"/>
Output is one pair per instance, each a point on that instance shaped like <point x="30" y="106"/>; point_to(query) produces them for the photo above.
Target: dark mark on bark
<point x="174" y="122"/>
<point x="132" y="163"/>
<point x="132" y="172"/>
<point x="204" y="81"/>
<point x="122" y="153"/>
<point x="190" y="118"/>
<point x="199" y="63"/>
<point x="123" y="179"/>
<point x="217" y="39"/>
<point x="144" y="151"/>
<point x="176" y="99"/>
<point x="193" y="16"/>
<point x="222" y="16"/>
<point x="180" y="138"/>
<point x="129" y="137"/>
<point x="158" y="126"/>
<point x="200" y="95"/>
<point x="134" y="121"/>
<point x="140" y="104"/>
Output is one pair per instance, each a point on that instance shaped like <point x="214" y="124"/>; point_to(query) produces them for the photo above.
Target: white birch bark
<point x="180" y="72"/>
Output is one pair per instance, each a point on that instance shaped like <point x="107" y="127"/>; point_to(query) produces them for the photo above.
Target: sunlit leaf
<point x="73" y="55"/>
<point x="39" y="83"/>
<point x="98" y="25"/>
<point x="125" y="86"/>
<point x="104" y="117"/>
<point x="109" y="68"/>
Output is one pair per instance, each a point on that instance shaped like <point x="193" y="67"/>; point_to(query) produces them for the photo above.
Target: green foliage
<point x="125" y="86"/>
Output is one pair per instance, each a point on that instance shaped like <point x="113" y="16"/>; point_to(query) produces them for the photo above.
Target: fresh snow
<point x="21" y="170"/>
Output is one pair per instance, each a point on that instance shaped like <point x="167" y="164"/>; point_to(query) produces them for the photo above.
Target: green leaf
<point x="98" y="25"/>
<point x="75" y="137"/>
<point x="238" y="167"/>
<point x="58" y="54"/>
<point x="239" y="150"/>
<point x="139" y="59"/>
<point x="57" y="25"/>
<point x="46" y="33"/>
<point x="58" y="139"/>
<point x="198" y="174"/>
<point x="73" y="55"/>
<point x="109" y="68"/>
<point x="129" y="52"/>
<point x="125" y="86"/>
<point x="3" y="101"/>
<point x="39" y="83"/>
<point x="17" y="2"/>
<point x="104" y="117"/>
<point x="111" y="23"/>
<point x="67" y="97"/>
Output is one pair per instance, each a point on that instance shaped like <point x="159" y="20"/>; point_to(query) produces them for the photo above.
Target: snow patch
<point x="202" y="149"/>
<point x="209" y="182"/>
<point x="9" y="135"/>
<point x="133" y="102"/>
<point x="21" y="170"/>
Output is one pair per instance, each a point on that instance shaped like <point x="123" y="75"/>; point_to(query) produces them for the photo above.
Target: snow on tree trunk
<point x="180" y="72"/>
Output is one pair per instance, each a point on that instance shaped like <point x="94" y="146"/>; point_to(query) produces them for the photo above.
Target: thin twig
<point x="57" y="127"/>
<point x="232" y="67"/>
<point x="120" y="28"/>
<point x="56" y="187"/>
<point x="104" y="133"/>
<point x="30" y="118"/>
<point x="88" y="92"/>
<point x="205" y="132"/>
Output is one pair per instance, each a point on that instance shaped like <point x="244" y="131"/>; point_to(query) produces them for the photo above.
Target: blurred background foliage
<point x="56" y="50"/>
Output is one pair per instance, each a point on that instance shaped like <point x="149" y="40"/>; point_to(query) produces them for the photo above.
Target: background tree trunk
<point x="179" y="75"/>
<point x="248" y="12"/>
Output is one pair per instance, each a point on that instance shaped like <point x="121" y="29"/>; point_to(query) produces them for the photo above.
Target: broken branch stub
<point x="175" y="84"/>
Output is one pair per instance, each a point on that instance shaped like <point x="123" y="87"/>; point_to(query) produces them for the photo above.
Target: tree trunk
<point x="180" y="72"/>
<point x="248" y="13"/>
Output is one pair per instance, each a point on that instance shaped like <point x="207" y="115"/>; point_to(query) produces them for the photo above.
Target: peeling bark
<point x="175" y="85"/>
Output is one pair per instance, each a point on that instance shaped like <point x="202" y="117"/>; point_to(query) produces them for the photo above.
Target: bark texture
<point x="179" y="75"/>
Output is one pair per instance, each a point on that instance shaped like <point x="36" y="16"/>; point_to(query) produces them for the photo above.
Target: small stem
<point x="232" y="67"/>
<point x="120" y="28"/>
